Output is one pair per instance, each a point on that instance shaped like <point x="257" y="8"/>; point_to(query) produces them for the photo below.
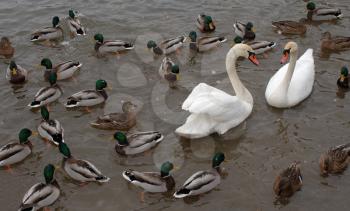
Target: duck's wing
<point x="10" y="149"/>
<point x="152" y="178"/>
<point x="45" y="93"/>
<point x="171" y="42"/>
<point x="52" y="127"/>
<point x="36" y="193"/>
<point x="139" y="139"/>
<point x="85" y="94"/>
<point x="210" y="40"/>
<point x="328" y="11"/>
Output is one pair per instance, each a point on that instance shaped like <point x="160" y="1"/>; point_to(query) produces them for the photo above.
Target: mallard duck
<point x="204" y="43"/>
<point x="288" y="181"/>
<point x="48" y="94"/>
<point x="16" y="74"/>
<point x="49" y="33"/>
<point x="337" y="43"/>
<point x="169" y="71"/>
<point x="289" y="27"/>
<point x="343" y="80"/>
<point x="246" y="31"/>
<point x="316" y="13"/>
<point x="167" y="46"/>
<point x="49" y="127"/>
<point x="113" y="46"/>
<point x="6" y="50"/>
<point x="205" y="23"/>
<point x="77" y="169"/>
<point x="74" y="24"/>
<point x="89" y="97"/>
<point x="13" y="152"/>
<point x="117" y="121"/>
<point x="136" y="143"/>
<point x="153" y="182"/>
<point x="259" y="47"/>
<point x="335" y="160"/>
<point x="202" y="181"/>
<point x="63" y="70"/>
<point x="42" y="194"/>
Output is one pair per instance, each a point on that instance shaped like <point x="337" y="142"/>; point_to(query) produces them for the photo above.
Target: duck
<point x="47" y="95"/>
<point x="117" y="121"/>
<point x="137" y="142"/>
<point x="111" y="46"/>
<point x="49" y="127"/>
<point x="74" y="24"/>
<point x="15" y="152"/>
<point x="167" y="46"/>
<point x="169" y="71"/>
<point x="293" y="82"/>
<point x="335" y="160"/>
<point x="259" y="47"/>
<point x="337" y="43"/>
<point x="89" y="97"/>
<point x="42" y="195"/>
<point x="213" y="110"/>
<point x="206" y="43"/>
<point x="48" y="33"/>
<point x="343" y="80"/>
<point x="289" y="27"/>
<point x="246" y="31"/>
<point x="202" y="181"/>
<point x="205" y="23"/>
<point x="152" y="182"/>
<point x="16" y="74"/>
<point x="78" y="169"/>
<point x="63" y="70"/>
<point x="6" y="49"/>
<point x="322" y="13"/>
<point x="288" y="181"/>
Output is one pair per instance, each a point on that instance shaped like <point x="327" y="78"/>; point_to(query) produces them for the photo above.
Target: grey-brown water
<point x="256" y="151"/>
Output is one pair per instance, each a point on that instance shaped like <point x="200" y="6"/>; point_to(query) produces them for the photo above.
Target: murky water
<point x="256" y="151"/>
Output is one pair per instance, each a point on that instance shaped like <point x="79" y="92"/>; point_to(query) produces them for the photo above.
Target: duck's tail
<point x="102" y="179"/>
<point x="183" y="192"/>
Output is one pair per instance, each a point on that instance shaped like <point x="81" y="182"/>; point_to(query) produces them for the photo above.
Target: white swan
<point x="294" y="81"/>
<point x="213" y="110"/>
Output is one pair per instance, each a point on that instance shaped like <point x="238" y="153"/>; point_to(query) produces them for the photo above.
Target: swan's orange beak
<point x="253" y="59"/>
<point x="285" y="56"/>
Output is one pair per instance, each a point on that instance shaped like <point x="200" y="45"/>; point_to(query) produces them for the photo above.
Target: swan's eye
<point x="251" y="53"/>
<point x="286" y="51"/>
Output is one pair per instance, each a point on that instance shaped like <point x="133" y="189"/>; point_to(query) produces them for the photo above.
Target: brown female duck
<point x="337" y="43"/>
<point x="6" y="50"/>
<point x="289" y="27"/>
<point x="288" y="181"/>
<point x="335" y="160"/>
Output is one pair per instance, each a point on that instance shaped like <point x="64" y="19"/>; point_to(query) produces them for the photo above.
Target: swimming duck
<point x="167" y="46"/>
<point x="6" y="50"/>
<point x="113" y="46"/>
<point x="169" y="71"/>
<point x="246" y="31"/>
<point x="48" y="94"/>
<point x="153" y="182"/>
<point x="259" y="47"/>
<point x="136" y="143"/>
<point x="335" y="160"/>
<point x="63" y="70"/>
<point x="49" y="127"/>
<point x="289" y="27"/>
<point x="77" y="169"/>
<point x="89" y="97"/>
<point x="42" y="194"/>
<point x="74" y="24"/>
<point x="117" y="121"/>
<point x="204" y="43"/>
<point x="16" y="74"/>
<point x="49" y="33"/>
<point x="13" y="152"/>
<point x="288" y="181"/>
<point x="337" y="43"/>
<point x="202" y="181"/>
<point x="317" y="13"/>
<point x="343" y="80"/>
<point x="205" y="23"/>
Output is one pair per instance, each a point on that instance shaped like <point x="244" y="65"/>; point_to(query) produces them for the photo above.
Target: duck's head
<point x="44" y="113"/>
<point x="55" y="21"/>
<point x="324" y="165"/>
<point x="13" y="67"/>
<point x="238" y="39"/>
<point x="175" y="69"/>
<point x="249" y="26"/>
<point x="209" y="21"/>
<point x="5" y="42"/>
<point x="310" y="6"/>
<point x="63" y="147"/>
<point x="121" y="139"/>
<point x="53" y="78"/>
<point x="23" y="135"/>
<point x="166" y="168"/>
<point x="218" y="158"/>
<point x="151" y="44"/>
<point x="193" y="36"/>
<point x="344" y="71"/>
<point x="244" y="50"/>
<point x="128" y="106"/>
<point x="289" y="48"/>
<point x="98" y="37"/>
<point x="46" y="62"/>
<point x="49" y="172"/>
<point x="101" y="84"/>
<point x="71" y="14"/>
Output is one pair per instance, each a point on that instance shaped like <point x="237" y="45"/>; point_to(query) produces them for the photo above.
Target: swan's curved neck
<point x="288" y="77"/>
<point x="240" y="90"/>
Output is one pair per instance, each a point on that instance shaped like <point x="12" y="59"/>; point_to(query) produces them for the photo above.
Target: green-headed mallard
<point x="335" y="160"/>
<point x="6" y="49"/>
<point x="111" y="46"/>
<point x="202" y="181"/>
<point x="15" y="152"/>
<point x="204" y="43"/>
<point x="74" y="24"/>
<point x="259" y="47"/>
<point x="49" y="33"/>
<point x="169" y="71"/>
<point x="77" y="169"/>
<point x="205" y="23"/>
<point x="288" y="181"/>
<point x="289" y="27"/>
<point x="343" y="80"/>
<point x="16" y="74"/>
<point x="48" y="94"/>
<point x="337" y="43"/>
<point x="322" y="13"/>
<point x="49" y="127"/>
<point x="117" y="121"/>
<point x="136" y="143"/>
<point x="63" y="70"/>
<point x="167" y="46"/>
<point x="89" y="97"/>
<point x="246" y="31"/>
